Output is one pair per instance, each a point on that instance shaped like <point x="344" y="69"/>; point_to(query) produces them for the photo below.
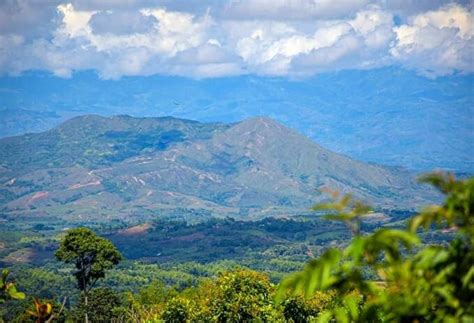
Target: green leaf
<point x="351" y="302"/>
<point x="16" y="294"/>
<point x="324" y="317"/>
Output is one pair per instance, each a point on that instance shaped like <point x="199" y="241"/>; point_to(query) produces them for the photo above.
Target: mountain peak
<point x="128" y="165"/>
<point x="261" y="125"/>
<point x="261" y="120"/>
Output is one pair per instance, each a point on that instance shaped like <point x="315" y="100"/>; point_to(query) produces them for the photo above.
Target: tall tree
<point x="92" y="255"/>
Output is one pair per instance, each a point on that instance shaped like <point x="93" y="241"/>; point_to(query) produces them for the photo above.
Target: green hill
<point x="97" y="168"/>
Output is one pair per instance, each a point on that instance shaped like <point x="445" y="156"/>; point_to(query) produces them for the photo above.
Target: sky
<point x="216" y="38"/>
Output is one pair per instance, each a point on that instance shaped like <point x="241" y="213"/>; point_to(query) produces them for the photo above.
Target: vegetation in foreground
<point x="384" y="276"/>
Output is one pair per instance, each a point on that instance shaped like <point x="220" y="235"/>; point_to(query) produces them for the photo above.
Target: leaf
<point x="324" y="317"/>
<point x="356" y="249"/>
<point x="16" y="294"/>
<point x="317" y="275"/>
<point x="340" y="315"/>
<point x="49" y="308"/>
<point x="352" y="304"/>
<point x="468" y="278"/>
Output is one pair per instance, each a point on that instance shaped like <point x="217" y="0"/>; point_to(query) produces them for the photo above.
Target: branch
<point x="51" y="318"/>
<point x="92" y="284"/>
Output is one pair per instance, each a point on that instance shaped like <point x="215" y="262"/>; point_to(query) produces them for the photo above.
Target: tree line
<point x="386" y="275"/>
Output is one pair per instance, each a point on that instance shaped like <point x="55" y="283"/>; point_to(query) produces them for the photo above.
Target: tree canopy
<point x="91" y="254"/>
<point x="414" y="269"/>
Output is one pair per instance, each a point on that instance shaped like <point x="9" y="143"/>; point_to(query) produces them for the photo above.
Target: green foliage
<point x="390" y="274"/>
<point x="148" y="303"/>
<point x="179" y="310"/>
<point x="295" y="310"/>
<point x="457" y="210"/>
<point x="45" y="283"/>
<point x="242" y="296"/>
<point x="91" y="254"/>
<point x="267" y="239"/>
<point x="300" y="310"/>
<point x="345" y="209"/>
<point x="433" y="283"/>
<point x="155" y="293"/>
<point x="8" y="288"/>
<point x="103" y="305"/>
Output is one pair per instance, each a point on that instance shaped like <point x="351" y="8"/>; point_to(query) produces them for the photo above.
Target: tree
<point x="243" y="296"/>
<point x="432" y="283"/>
<point x="297" y="309"/>
<point x="92" y="256"/>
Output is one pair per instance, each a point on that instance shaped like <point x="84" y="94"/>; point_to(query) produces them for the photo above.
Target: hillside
<point x="95" y="168"/>
<point x="387" y="116"/>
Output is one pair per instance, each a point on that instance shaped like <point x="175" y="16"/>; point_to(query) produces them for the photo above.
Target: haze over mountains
<point x="389" y="116"/>
<point x="97" y="168"/>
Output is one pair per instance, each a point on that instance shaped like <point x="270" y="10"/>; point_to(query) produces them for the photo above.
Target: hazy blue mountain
<point x="96" y="168"/>
<point x="389" y="116"/>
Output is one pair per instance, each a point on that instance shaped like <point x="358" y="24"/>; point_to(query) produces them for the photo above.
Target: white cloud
<point x="277" y="37"/>
<point x="75" y="23"/>
<point x="274" y="51"/>
<point x="437" y="42"/>
<point x="375" y="26"/>
<point x="453" y="16"/>
<point x="321" y="58"/>
<point x="75" y="45"/>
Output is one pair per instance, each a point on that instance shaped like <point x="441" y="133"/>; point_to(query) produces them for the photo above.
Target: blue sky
<point x="206" y="39"/>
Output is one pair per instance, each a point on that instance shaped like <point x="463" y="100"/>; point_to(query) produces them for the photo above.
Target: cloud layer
<point x="200" y="39"/>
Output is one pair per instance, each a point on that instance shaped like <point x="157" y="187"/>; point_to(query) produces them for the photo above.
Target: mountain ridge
<point x="386" y="116"/>
<point x="94" y="167"/>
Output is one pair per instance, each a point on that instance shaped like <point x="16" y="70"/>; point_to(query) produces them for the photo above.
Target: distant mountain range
<point x="388" y="116"/>
<point x="94" y="168"/>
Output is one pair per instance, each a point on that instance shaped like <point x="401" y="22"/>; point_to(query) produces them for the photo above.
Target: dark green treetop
<point x="91" y="254"/>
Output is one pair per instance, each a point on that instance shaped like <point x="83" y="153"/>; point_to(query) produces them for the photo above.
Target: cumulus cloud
<point x="200" y="39"/>
<point x="279" y="49"/>
<point x="437" y="42"/>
